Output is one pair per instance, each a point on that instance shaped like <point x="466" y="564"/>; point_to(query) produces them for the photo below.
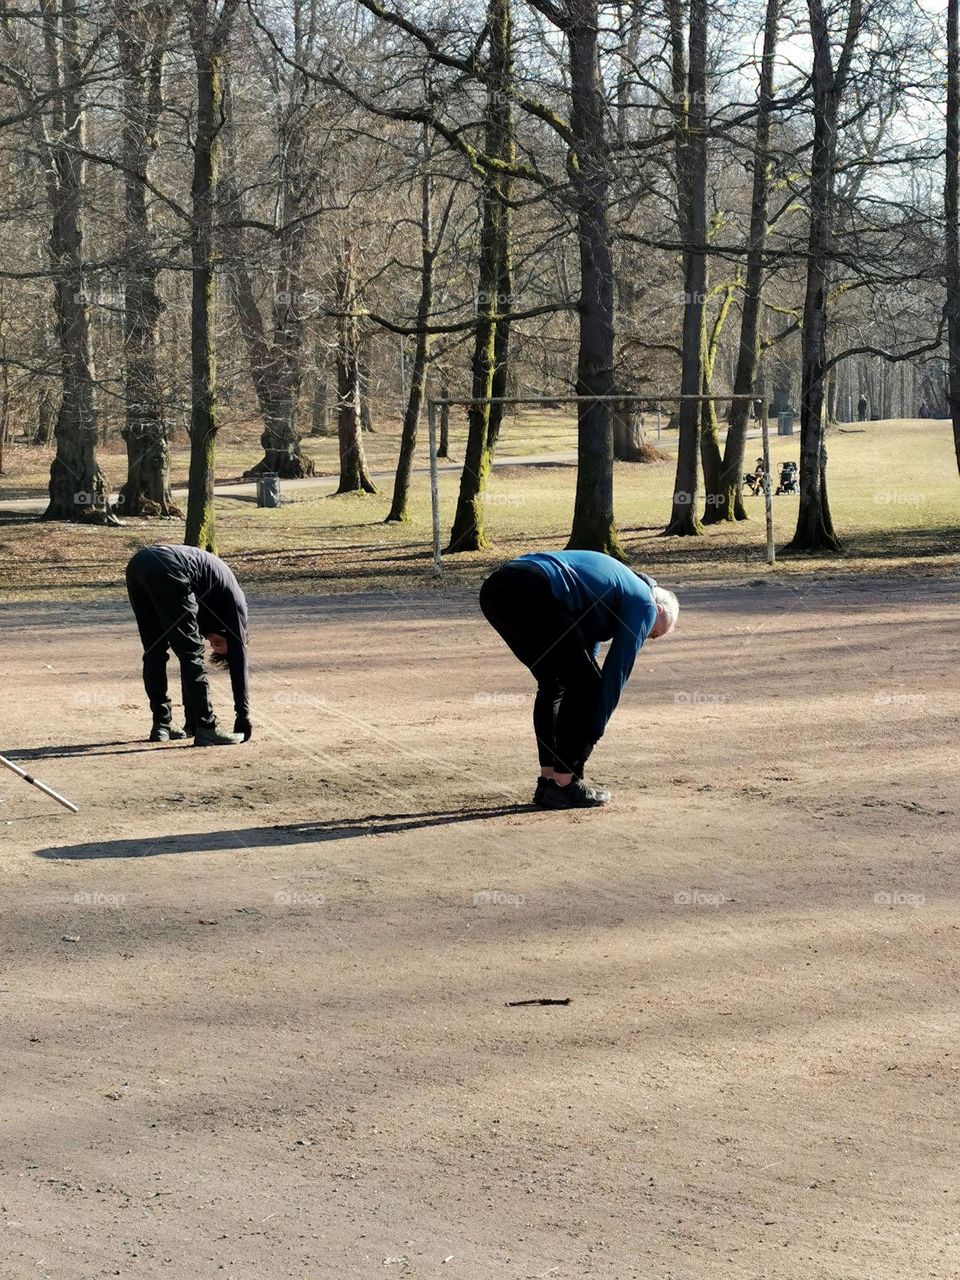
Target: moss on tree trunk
<point x="208" y="53"/>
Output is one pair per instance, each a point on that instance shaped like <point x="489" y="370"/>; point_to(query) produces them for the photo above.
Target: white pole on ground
<point x="434" y="486"/>
<point x="41" y="786"/>
<point x="767" y="483"/>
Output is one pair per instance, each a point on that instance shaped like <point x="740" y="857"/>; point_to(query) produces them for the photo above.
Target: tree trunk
<point x="728" y="500"/>
<point x="78" y="490"/>
<point x="627" y="431"/>
<point x="46" y="414"/>
<point x="952" y="211"/>
<point x="594" y="528"/>
<point x="354" y="477"/>
<point x="209" y="33"/>
<point x="815" y="530"/>
<point x="418" y="375"/>
<point x="691" y="159"/>
<point x="832" y="397"/>
<point x="444" y="449"/>
<point x="364" y="367"/>
<point x="501" y="340"/>
<point x="319" y="407"/>
<point x="4" y="410"/>
<point x="276" y="362"/>
<point x="709" y="419"/>
<point x="467" y="533"/>
<point x="146" y="491"/>
<point x="47" y="403"/>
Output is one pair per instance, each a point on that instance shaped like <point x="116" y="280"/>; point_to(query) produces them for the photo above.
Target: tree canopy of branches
<point x="677" y="200"/>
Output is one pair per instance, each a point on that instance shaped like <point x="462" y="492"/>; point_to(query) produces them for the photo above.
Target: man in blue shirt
<point x="554" y="609"/>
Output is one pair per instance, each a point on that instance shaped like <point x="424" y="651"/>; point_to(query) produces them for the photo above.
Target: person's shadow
<point x="128" y="748"/>
<point x="272" y="837"/>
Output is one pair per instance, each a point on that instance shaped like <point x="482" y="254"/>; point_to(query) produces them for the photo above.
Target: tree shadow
<point x="274" y="837"/>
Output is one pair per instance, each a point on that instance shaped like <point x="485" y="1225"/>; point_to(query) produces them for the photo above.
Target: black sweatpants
<point x="521" y="608"/>
<point x="165" y="607"/>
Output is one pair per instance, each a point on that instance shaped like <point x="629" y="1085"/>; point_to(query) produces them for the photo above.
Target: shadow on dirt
<point x="126" y="748"/>
<point x="271" y="837"/>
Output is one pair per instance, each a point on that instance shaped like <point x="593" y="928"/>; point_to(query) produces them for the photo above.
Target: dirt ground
<point x="255" y="1019"/>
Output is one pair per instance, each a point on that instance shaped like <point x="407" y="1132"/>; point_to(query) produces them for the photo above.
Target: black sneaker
<point x="212" y="735"/>
<point x="575" y="795"/>
<point x="538" y="799"/>
<point x="166" y="733"/>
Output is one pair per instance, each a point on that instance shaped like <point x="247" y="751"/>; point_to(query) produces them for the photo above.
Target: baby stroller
<point x="788" y="479"/>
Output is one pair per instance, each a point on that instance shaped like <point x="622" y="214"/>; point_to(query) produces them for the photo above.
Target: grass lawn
<point x="893" y="487"/>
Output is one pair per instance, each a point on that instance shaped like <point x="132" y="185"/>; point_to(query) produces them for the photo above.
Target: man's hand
<point x="242" y="725"/>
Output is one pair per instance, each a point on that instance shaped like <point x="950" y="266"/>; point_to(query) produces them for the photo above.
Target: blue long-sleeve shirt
<point x="610" y="602"/>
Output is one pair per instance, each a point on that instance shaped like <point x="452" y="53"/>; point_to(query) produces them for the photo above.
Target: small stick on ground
<point x="515" y="1004"/>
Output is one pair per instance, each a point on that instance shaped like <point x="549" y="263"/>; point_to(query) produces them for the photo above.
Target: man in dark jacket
<point x="180" y="595"/>
<point x="553" y="609"/>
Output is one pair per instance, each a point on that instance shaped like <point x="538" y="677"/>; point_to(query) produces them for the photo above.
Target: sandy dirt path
<point x="254" y="1019"/>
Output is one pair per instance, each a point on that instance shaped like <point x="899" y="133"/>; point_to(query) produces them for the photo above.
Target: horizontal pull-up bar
<point x="634" y="399"/>
<point x="432" y="406"/>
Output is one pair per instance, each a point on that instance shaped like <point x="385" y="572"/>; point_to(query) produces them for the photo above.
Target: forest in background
<point x="325" y="212"/>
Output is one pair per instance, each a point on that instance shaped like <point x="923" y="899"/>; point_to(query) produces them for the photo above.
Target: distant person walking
<point x="553" y="609"/>
<point x="180" y="595"/>
<point x="862" y="409"/>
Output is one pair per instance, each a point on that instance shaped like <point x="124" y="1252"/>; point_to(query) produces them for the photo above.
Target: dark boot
<point x="212" y="734"/>
<point x="575" y="795"/>
<point x="165" y="733"/>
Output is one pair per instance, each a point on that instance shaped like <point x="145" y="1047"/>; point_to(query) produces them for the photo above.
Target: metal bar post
<point x="767" y="482"/>
<point x="434" y="486"/>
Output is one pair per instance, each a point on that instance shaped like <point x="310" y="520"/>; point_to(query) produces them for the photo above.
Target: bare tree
<point x="142" y="32"/>
<point x="354" y="476"/>
<point x="727" y="497"/>
<point x="429" y="247"/>
<point x="831" y="71"/>
<point x="55" y="107"/>
<point x="493" y="282"/>
<point x="210" y="24"/>
<point x="277" y="357"/>
<point x="689" y="83"/>
<point x="589" y="170"/>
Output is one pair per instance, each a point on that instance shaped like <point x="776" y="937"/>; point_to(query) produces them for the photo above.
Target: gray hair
<point x="668" y="603"/>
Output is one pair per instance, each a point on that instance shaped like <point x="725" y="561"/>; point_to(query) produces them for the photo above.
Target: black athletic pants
<point x="165" y="607"/>
<point x="521" y="608"/>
